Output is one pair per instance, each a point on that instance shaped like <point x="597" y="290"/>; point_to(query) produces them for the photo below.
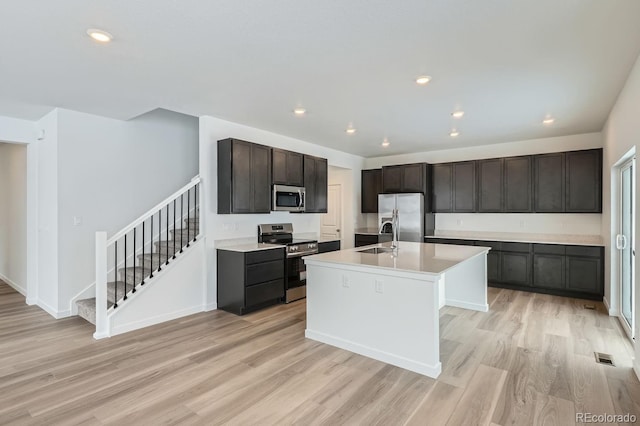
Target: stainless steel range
<point x="296" y="274"/>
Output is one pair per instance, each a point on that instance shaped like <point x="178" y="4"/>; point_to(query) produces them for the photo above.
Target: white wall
<point x="527" y="147"/>
<point x="531" y="222"/>
<point x="621" y="134"/>
<point x="16" y="130"/>
<point x="109" y="173"/>
<point x="217" y="227"/>
<point x="13" y="215"/>
<point x="47" y="207"/>
<point x="349" y="202"/>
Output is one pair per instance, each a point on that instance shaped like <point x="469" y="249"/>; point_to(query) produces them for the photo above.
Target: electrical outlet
<point x="345" y="281"/>
<point x="459" y="222"/>
<point x="77" y="220"/>
<point x="522" y="224"/>
<point x="379" y="286"/>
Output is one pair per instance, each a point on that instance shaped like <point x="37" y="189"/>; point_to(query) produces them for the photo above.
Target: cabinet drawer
<point x="516" y="247"/>
<point x="584" y="251"/>
<point x="549" y="248"/>
<point x="366" y="239"/>
<point x="462" y="242"/>
<point x="495" y="245"/>
<point x="441" y="240"/>
<point x="267" y="271"/>
<point x="264" y="292"/>
<point x="264" y="256"/>
<point x="328" y="246"/>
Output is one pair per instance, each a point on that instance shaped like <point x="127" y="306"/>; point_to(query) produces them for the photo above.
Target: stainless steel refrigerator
<point x="410" y="215"/>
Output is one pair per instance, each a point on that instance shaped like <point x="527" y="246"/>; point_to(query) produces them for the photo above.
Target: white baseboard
<point x="210" y="307"/>
<point x="466" y="305"/>
<point x="398" y="361"/>
<point x="14" y="285"/>
<point x="612" y="312"/>
<point x="99" y="336"/>
<point x="53" y="312"/>
<point x="136" y="325"/>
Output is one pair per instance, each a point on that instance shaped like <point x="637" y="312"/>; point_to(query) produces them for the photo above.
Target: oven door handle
<point x="294" y="255"/>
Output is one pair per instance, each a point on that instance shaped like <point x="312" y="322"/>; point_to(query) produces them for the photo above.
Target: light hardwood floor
<point x="528" y="361"/>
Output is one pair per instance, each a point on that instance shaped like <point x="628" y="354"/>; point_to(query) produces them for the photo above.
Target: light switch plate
<point x="379" y="286"/>
<point x="77" y="220"/>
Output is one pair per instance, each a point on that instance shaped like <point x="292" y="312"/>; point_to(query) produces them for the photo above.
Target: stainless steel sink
<point x="377" y="250"/>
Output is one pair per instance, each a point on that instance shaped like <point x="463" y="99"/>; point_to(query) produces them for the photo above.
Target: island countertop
<point x="433" y="259"/>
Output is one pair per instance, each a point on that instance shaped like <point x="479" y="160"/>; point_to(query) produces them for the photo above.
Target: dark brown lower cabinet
<point x="248" y="281"/>
<point x="327" y="246"/>
<point x="515" y="268"/>
<point x="368" y="239"/>
<point x="573" y="271"/>
<point x="493" y="266"/>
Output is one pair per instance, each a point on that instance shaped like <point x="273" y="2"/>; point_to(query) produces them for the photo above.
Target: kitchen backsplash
<point x="559" y="223"/>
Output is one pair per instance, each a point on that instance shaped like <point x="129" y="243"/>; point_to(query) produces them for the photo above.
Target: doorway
<point x="625" y="243"/>
<point x="331" y="222"/>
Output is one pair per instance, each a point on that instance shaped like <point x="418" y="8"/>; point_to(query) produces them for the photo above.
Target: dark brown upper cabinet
<point x="464" y="187"/>
<point x="583" y="181"/>
<point x="442" y="187"/>
<point x="549" y="182"/>
<point x="287" y="167"/>
<point x="371" y="186"/>
<point x="315" y="184"/>
<point x="490" y="184"/>
<point x="454" y="187"/>
<point x="244" y="177"/>
<point x="518" y="192"/>
<point x="404" y="178"/>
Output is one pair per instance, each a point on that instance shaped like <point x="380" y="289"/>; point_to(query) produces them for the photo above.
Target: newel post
<point x="102" y="326"/>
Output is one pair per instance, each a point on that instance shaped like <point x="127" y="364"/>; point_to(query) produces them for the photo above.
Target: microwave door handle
<point x="301" y="199"/>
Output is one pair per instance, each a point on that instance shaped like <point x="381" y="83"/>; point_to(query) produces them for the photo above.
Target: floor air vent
<point x="604" y="359"/>
<point x="590" y="307"/>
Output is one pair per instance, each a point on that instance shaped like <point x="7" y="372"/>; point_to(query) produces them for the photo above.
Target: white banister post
<point x="102" y="326"/>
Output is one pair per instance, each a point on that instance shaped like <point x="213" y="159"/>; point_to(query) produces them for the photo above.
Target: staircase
<point x="146" y="263"/>
<point x="139" y="255"/>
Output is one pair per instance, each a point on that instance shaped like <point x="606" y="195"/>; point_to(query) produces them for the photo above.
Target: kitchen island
<point x="385" y="304"/>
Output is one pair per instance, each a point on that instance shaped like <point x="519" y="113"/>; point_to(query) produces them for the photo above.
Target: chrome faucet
<point x="394" y="228"/>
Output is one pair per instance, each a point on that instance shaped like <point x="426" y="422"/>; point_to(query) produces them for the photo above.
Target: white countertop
<point x="247" y="247"/>
<point x="412" y="257"/>
<point x="569" y="239"/>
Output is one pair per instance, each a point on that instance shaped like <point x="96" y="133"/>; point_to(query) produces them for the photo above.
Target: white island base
<point x="386" y="307"/>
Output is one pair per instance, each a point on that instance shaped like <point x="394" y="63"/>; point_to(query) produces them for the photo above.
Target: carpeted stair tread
<point x="87" y="309"/>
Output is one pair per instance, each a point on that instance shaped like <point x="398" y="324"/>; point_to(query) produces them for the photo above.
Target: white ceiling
<point x="506" y="63"/>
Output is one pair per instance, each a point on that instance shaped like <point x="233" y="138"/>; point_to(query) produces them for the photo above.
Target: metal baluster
<point x="195" y="208"/>
<point x="115" y="271"/>
<point x="134" y="260"/>
<point x="151" y="246"/>
<point x="181" y="218"/>
<point x="143" y="260"/>
<point x="167" y="235"/>
<point x="174" y="229"/>
<point x="125" y="267"/>
<point x="160" y="239"/>
<point x="188" y="215"/>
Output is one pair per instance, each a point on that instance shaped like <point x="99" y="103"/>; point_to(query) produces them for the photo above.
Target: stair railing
<point x="137" y="241"/>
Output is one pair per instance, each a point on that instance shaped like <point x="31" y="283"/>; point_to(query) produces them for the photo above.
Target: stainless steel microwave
<point x="288" y="198"/>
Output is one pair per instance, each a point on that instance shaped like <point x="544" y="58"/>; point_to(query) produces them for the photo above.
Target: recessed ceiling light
<point x="99" y="35"/>
<point x="423" y="79"/>
<point x="457" y="114"/>
<point x="548" y="120"/>
<point x="385" y="143"/>
<point x="350" y="130"/>
<point x="454" y="133"/>
<point x="299" y="111"/>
